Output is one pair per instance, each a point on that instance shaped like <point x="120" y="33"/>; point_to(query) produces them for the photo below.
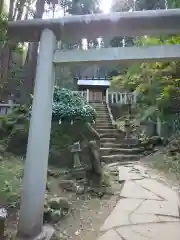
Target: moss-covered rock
<point x="56" y="208"/>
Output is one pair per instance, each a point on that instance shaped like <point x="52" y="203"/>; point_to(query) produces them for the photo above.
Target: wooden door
<point x="95" y="96"/>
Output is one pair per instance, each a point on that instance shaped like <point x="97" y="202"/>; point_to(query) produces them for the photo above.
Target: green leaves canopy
<point x="157" y="82"/>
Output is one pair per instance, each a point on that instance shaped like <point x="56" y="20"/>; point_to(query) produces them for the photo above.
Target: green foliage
<point x="11" y="173"/>
<point x="157" y="83"/>
<point x="3" y="28"/>
<point x="8" y="122"/>
<point x="150" y="5"/>
<point x="70" y="106"/>
<point x="173" y="3"/>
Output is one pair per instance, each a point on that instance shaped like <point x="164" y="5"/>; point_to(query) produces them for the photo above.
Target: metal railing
<point x="6" y="108"/>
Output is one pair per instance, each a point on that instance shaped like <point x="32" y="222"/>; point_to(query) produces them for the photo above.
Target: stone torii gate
<point x="156" y="22"/>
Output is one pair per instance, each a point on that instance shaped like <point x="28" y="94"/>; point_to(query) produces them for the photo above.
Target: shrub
<point x="70" y="106"/>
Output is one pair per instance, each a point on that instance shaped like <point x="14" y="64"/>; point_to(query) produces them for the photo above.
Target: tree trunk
<point x="31" y="60"/>
<point x="1" y="6"/>
<point x="20" y="9"/>
<point x="97" y="171"/>
<point x="6" y="54"/>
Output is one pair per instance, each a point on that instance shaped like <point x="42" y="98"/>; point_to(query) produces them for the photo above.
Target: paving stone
<point x="168" y="219"/>
<point x="120" y="214"/>
<point x="143" y="218"/>
<point x="153" y="231"/>
<point x="110" y="235"/>
<point x="123" y="173"/>
<point x="159" y="208"/>
<point x="133" y="211"/>
<point x="126" y="173"/>
<point x="141" y="170"/>
<point x="132" y="173"/>
<point x="116" y="220"/>
<point x="133" y="190"/>
<point x="159" y="189"/>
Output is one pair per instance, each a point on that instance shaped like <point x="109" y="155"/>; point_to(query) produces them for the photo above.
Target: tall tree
<point x="15" y="12"/>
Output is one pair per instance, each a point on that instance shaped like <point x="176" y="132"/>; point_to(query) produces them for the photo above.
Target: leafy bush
<point x="70" y="106"/>
<point x="3" y="28"/>
<point x="157" y="83"/>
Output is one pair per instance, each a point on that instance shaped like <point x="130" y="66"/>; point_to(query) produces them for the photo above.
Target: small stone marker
<point x="78" y="170"/>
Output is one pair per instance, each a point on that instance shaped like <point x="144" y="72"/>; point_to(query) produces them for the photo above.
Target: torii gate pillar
<point x="35" y="171"/>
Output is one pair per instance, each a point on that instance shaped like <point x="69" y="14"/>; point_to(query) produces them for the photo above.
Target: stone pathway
<point x="148" y="209"/>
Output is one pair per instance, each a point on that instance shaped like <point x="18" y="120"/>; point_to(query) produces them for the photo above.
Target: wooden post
<point x="107" y="96"/>
<point x="87" y="97"/>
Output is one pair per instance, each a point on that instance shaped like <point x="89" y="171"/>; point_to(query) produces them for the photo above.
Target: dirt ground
<point x="156" y="167"/>
<point x="88" y="213"/>
<point x="86" y="217"/>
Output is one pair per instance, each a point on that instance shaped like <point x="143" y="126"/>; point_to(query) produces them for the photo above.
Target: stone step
<point x="104" y="121"/>
<point x="107" y="120"/>
<point x="100" y="107"/>
<point x="110" y="132"/>
<point x="129" y="141"/>
<point x="119" y="157"/>
<point x="102" y="115"/>
<point x="99" y="113"/>
<point x="124" y="163"/>
<point x="107" y="126"/>
<point x="107" y="151"/>
<point x="118" y="145"/>
<point x="107" y="123"/>
<point x="109" y="135"/>
<point x="109" y="129"/>
<point x="104" y="127"/>
<point x="107" y="139"/>
<point x="105" y="130"/>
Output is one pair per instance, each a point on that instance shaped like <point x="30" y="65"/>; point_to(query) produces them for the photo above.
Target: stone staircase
<point x="113" y="148"/>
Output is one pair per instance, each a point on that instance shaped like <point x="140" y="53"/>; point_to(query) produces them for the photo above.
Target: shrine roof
<point x="98" y="82"/>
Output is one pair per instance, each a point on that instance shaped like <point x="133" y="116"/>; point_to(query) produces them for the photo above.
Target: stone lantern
<point x="78" y="170"/>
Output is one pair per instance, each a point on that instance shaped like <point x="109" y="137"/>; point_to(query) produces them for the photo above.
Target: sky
<point x="106" y="5"/>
